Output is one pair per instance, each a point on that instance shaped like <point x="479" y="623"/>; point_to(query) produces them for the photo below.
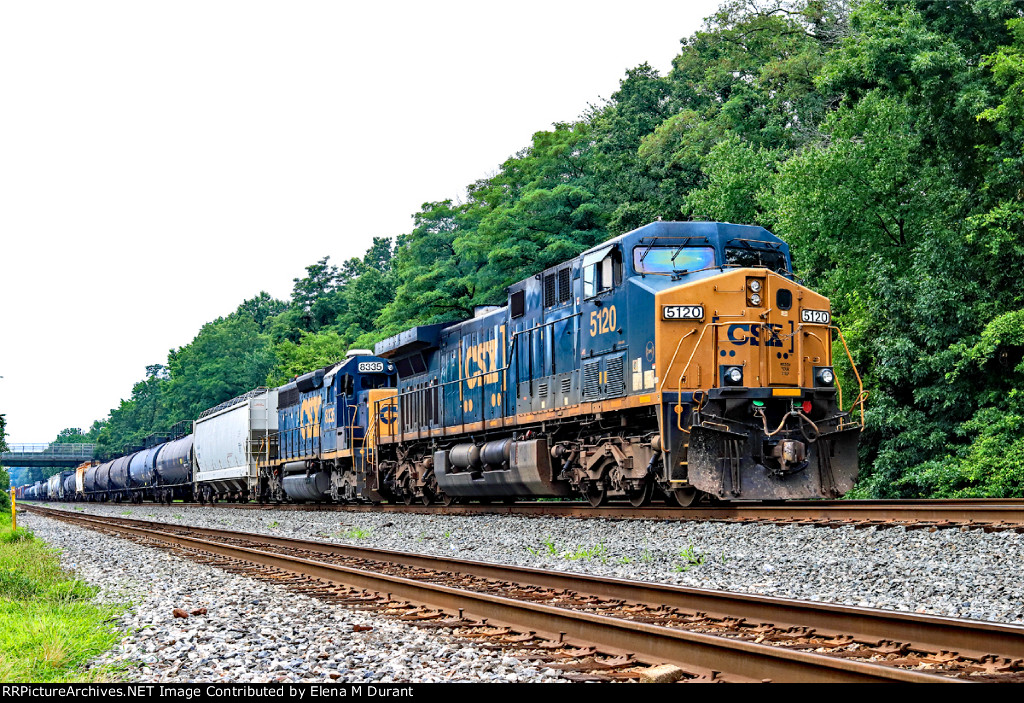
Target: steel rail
<point x="996" y="514"/>
<point x="926" y="631"/>
<point x="653" y="643"/>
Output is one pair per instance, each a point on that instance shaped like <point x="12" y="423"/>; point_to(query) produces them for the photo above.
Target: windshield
<point x="746" y="257"/>
<point x="659" y="259"/>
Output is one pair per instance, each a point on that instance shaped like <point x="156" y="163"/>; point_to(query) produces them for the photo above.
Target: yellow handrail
<point x="862" y="396"/>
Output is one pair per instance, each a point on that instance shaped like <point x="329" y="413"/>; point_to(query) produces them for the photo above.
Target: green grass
<point x="549" y="548"/>
<point x="691" y="558"/>
<point x="354" y="533"/>
<point x="577" y="553"/>
<point x="49" y="625"/>
<point x="598" y="551"/>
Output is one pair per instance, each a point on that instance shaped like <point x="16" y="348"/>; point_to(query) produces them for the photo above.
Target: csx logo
<point x="483" y="358"/>
<point x="309" y="417"/>
<point x="742" y="334"/>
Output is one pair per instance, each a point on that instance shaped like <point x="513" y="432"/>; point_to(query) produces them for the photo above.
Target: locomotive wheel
<point x="427" y="499"/>
<point x="446" y="499"/>
<point x="597" y="495"/>
<point x="684" y="496"/>
<point x="642" y="497"/>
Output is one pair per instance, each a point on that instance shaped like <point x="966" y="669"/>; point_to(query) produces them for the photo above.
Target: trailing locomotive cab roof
<point x="414" y="339"/>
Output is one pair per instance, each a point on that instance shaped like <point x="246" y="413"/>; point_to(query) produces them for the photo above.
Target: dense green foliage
<point x="884" y="139"/>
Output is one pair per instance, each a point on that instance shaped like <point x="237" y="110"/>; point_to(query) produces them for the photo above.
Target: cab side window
<point x="602" y="270"/>
<point x="347" y="386"/>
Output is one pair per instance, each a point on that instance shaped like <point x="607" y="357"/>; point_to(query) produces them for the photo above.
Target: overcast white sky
<point x="161" y="162"/>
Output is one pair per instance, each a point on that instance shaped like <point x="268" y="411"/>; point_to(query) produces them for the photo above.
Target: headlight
<point x="755" y="285"/>
<point x="732" y="375"/>
<point x="755" y="299"/>
<point x="826" y="376"/>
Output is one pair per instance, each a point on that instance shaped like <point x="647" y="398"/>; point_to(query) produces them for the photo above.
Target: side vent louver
<point x="615" y="376"/>
<point x="564" y="289"/>
<point x="591" y="378"/>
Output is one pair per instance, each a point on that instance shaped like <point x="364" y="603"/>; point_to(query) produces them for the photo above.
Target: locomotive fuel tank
<point x="302" y="483"/>
<point x="503" y="468"/>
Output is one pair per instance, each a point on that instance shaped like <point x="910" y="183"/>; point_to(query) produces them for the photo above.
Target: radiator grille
<point x="591" y="378"/>
<point x="616" y="379"/>
<point x="564" y="289"/>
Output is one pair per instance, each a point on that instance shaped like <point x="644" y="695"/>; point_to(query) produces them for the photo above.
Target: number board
<point x="682" y="312"/>
<point x="371" y="366"/>
<point x="821" y="317"/>
<point x="603" y="321"/>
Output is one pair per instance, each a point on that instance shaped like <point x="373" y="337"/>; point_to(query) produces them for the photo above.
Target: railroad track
<point x="607" y="629"/>
<point x="991" y="515"/>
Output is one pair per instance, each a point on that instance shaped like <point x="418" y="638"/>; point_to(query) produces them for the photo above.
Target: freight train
<point x="680" y="361"/>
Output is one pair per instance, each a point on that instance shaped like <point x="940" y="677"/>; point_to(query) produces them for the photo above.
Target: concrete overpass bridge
<point x="45" y="455"/>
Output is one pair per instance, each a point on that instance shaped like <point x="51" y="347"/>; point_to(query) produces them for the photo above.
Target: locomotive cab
<point x="750" y="404"/>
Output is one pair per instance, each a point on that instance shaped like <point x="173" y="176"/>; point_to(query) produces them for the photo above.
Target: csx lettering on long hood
<point x="484" y="358"/>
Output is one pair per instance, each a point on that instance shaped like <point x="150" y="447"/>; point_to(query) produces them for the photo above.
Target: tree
<point x="436" y="278"/>
<point x="261" y="309"/>
<point x="313" y="351"/>
<point x="228" y="357"/>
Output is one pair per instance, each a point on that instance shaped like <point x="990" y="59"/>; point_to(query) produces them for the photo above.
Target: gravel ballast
<point x="950" y="572"/>
<point x="252" y="631"/>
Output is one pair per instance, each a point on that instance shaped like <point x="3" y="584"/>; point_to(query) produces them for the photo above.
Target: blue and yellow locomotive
<point x="681" y="358"/>
<point x="320" y="448"/>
